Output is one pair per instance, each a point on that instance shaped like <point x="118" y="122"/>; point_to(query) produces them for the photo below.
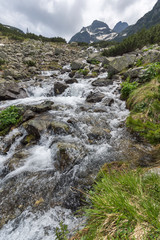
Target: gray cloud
<point x="66" y="17"/>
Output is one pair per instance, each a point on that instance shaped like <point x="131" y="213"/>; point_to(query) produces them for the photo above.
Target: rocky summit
<point x="98" y="31"/>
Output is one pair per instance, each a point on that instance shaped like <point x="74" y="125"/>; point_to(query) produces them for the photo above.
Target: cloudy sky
<point x="66" y="17"/>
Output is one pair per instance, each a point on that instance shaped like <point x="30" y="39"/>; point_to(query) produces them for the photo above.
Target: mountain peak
<point x="98" y="24"/>
<point x="120" y="26"/>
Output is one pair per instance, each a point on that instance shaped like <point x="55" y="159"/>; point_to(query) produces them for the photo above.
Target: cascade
<point x="40" y="183"/>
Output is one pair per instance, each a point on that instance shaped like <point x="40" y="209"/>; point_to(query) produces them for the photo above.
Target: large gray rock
<point x="77" y="64"/>
<point x="151" y="56"/>
<point x="94" y="97"/>
<point x="101" y="82"/>
<point x="11" y="90"/>
<point x="59" y="88"/>
<point x="117" y="64"/>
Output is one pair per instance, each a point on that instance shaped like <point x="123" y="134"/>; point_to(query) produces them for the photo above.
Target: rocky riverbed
<point x="72" y="122"/>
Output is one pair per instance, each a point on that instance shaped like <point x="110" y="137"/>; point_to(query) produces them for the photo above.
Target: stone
<point x="59" y="88"/>
<point x="96" y="134"/>
<point x="77" y="64"/>
<point x="59" y="51"/>
<point x="94" y="97"/>
<point x="10" y="90"/>
<point x="117" y="64"/>
<point x="71" y="81"/>
<point x="101" y="82"/>
<point x="151" y="56"/>
<point x="43" y="107"/>
<point x="38" y="125"/>
<point x="59" y="127"/>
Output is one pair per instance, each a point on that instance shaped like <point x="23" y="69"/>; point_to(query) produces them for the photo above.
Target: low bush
<point x="127" y="88"/>
<point x="9" y="117"/>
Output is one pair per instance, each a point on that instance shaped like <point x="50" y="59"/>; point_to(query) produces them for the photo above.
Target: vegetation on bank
<point x="14" y="34"/>
<point x="143" y="100"/>
<point x="138" y="40"/>
<point x="123" y="204"/>
<point x="9" y="117"/>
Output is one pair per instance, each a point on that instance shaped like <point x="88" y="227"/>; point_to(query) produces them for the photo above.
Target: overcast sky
<point x="64" y="18"/>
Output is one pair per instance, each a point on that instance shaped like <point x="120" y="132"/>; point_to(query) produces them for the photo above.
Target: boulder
<point x="43" y="107"/>
<point x="38" y="125"/>
<point x="59" y="127"/>
<point x="59" y="51"/>
<point x="11" y="90"/>
<point x="117" y="64"/>
<point x="94" y="97"/>
<point x="151" y="56"/>
<point x="77" y="64"/>
<point x="101" y="82"/>
<point x="96" y="134"/>
<point x="66" y="155"/>
<point x="59" y="88"/>
<point x="71" y="81"/>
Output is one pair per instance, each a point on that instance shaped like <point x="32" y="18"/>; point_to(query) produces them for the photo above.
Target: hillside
<point x="148" y="20"/>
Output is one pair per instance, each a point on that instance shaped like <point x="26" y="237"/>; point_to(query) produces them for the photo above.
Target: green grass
<point x="127" y="88"/>
<point x="144" y="105"/>
<point x="9" y="117"/>
<point x="123" y="205"/>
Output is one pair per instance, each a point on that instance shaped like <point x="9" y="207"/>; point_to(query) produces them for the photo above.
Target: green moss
<point x="9" y="117"/>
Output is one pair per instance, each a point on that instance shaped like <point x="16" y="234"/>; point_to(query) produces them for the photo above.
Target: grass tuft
<point x="123" y="205"/>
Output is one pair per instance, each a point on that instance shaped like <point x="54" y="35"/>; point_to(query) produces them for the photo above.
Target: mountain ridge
<point x="98" y="31"/>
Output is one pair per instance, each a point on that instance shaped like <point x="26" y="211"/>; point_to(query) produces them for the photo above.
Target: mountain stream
<point x="45" y="186"/>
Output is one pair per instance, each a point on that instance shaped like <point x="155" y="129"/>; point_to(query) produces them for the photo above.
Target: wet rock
<point x="17" y="160"/>
<point x="28" y="115"/>
<point x="71" y="74"/>
<point x="66" y="155"/>
<point x="96" y="134"/>
<point x="43" y="107"/>
<point x="59" y="127"/>
<point x="11" y="90"/>
<point x="29" y="140"/>
<point x="101" y="82"/>
<point x="78" y="64"/>
<point x="108" y="101"/>
<point x="38" y="125"/>
<point x="71" y="81"/>
<point x="94" y="97"/>
<point x="59" y="88"/>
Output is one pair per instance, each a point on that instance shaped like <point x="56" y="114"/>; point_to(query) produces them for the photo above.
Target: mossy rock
<point x="59" y="127"/>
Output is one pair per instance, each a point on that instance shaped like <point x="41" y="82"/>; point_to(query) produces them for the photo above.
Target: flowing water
<point x="96" y="130"/>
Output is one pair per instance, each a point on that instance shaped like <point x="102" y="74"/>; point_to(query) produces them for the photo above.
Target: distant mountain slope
<point x="13" y="28"/>
<point x="98" y="31"/>
<point x="148" y="20"/>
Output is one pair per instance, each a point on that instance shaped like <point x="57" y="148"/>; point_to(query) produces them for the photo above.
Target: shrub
<point x="9" y="117"/>
<point x="30" y="63"/>
<point x="83" y="71"/>
<point x="127" y="88"/>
